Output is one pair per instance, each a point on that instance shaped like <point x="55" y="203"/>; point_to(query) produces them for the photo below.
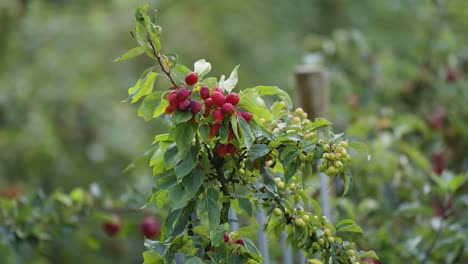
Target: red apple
<point x="150" y="227"/>
<point x="218" y="115"/>
<point x="233" y="98"/>
<point x="195" y="106"/>
<point x="227" y="109"/>
<point x="222" y="150"/>
<point x="218" y="98"/>
<point x="191" y="78"/>
<point x="204" y="92"/>
<point x="112" y="227"/>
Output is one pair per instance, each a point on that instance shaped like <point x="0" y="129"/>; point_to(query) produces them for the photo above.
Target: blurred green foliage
<point x="62" y="123"/>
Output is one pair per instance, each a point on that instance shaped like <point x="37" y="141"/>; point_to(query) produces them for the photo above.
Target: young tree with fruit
<point x="233" y="150"/>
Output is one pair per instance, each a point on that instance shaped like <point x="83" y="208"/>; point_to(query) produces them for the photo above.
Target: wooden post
<point x="312" y="94"/>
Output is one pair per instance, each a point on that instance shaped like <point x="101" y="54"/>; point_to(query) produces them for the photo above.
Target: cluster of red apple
<point x="217" y="104"/>
<point x="149" y="226"/>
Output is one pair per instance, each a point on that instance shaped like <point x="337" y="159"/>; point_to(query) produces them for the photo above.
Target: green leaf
<point x="257" y="151"/>
<point x="317" y="208"/>
<point x="457" y="181"/>
<point x="160" y="198"/>
<point x="234" y="125"/>
<point x="253" y="103"/>
<point x="152" y="257"/>
<point x="145" y="88"/>
<point x="149" y="105"/>
<point x="171" y="156"/>
<point x="246" y="133"/>
<point x="202" y="67"/>
<point x="360" y="147"/>
<point x="193" y="260"/>
<point x="368" y="254"/>
<point x="131" y="53"/>
<point x="315" y="261"/>
<point x="182" y="220"/>
<point x="246" y="205"/>
<point x="177" y="196"/>
<point x="213" y="208"/>
<point x="184" y="134"/>
<point x="193" y="182"/>
<point x="187" y="164"/>
<point x="217" y="235"/>
<point x="320" y="122"/>
<point x="201" y="230"/>
<point x="230" y="83"/>
<point x="348" y="225"/>
<point x="182" y="116"/>
<point x="263" y="90"/>
<point x="348" y="180"/>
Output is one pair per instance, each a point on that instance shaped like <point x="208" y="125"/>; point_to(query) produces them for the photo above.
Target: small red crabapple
<point x="222" y="150"/>
<point x="227" y="109"/>
<point x="184" y="105"/>
<point x="218" y="115"/>
<point x="195" y="106"/>
<point x="150" y="227"/>
<point x="218" y="98"/>
<point x="169" y="109"/>
<point x="214" y="129"/>
<point x="231" y="149"/>
<point x="233" y="98"/>
<point x="191" y="78"/>
<point x="219" y="90"/>
<point x="183" y="93"/>
<point x="112" y="227"/>
<point x="204" y="92"/>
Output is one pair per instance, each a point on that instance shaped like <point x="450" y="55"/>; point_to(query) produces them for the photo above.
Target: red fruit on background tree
<point x="240" y="242"/>
<point x="222" y="150"/>
<point x="232" y="98"/>
<point x="451" y="75"/>
<point x="150" y="227"/>
<point x="191" y="78"/>
<point x="231" y="149"/>
<point x="214" y="129"/>
<point x="112" y="227"/>
<point x="218" y="99"/>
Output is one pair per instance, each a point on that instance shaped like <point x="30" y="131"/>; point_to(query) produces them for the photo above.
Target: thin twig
<point x="159" y="59"/>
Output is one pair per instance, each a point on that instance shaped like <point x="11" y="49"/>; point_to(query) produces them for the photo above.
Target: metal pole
<point x="312" y="94"/>
<point x="262" y="238"/>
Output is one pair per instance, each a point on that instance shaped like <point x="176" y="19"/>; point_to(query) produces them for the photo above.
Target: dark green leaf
<point x="217" y="235"/>
<point x="246" y="133"/>
<point x="184" y="134"/>
<point x="187" y="164"/>
<point x="246" y="205"/>
<point x="213" y="208"/>
<point x="257" y="151"/>
<point x="182" y="116"/>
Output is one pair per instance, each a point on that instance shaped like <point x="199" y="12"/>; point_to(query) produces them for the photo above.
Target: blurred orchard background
<point x="72" y="154"/>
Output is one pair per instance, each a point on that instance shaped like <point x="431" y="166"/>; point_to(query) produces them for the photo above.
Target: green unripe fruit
<point x="351" y="252"/>
<point x="302" y="156"/>
<point x="338" y="164"/>
<point x="348" y="158"/>
<point x="274" y="123"/>
<point x="331" y="156"/>
<point x="320" y="142"/>
<point x="276" y="130"/>
<point x="297" y="120"/>
<point x="326" y="147"/>
<point x="282" y="104"/>
<point x="299" y="111"/>
<point x="331" y="239"/>
<point x="337" y="156"/>
<point x="344" y="144"/>
<point x="262" y="120"/>
<point x="278" y="212"/>
<point x="299" y="222"/>
<point x="325" y="155"/>
<point x="292" y="186"/>
<point x="242" y="171"/>
<point x="280" y="185"/>
<point x="327" y="231"/>
<point x="269" y="163"/>
<point x="321" y="241"/>
<point x="277" y="180"/>
<point x="306" y="218"/>
<point x="331" y="171"/>
<point x="321" y="167"/>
